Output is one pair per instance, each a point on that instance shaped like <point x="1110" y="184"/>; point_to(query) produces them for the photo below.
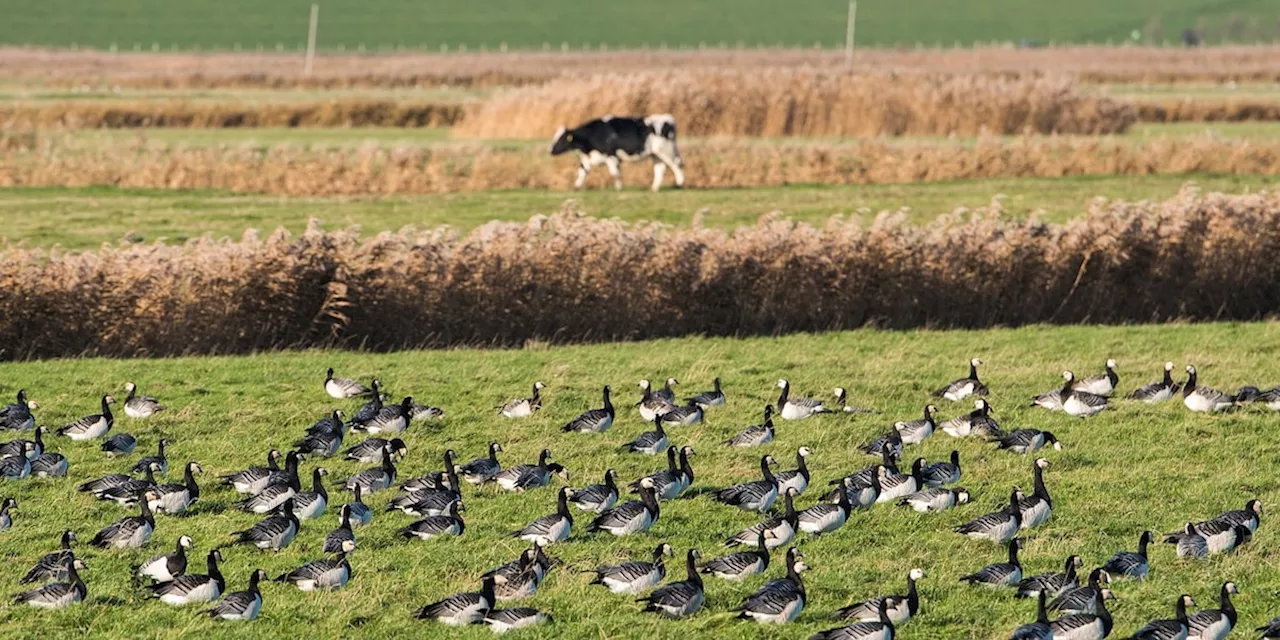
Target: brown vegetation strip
<point x="567" y="278"/>
<point x="139" y="114"/>
<point x="1189" y="110"/>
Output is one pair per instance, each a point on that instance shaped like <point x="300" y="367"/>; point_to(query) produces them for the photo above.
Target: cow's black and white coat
<point x="610" y="140"/>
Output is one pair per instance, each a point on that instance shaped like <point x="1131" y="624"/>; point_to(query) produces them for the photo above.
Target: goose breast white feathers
<point x="678" y="599"/>
<point x="240" y="605"/>
<point x="90" y="427"/>
<point x="139" y="407"/>
<point x="631" y="517"/>
<point x="797" y="408"/>
<point x="523" y="407"/>
<point x="342" y="388"/>
<point x="190" y="588"/>
<point x="461" y="609"/>
<point x="1001" y="574"/>
<point x="1204" y="399"/>
<point x="326" y="573"/>
<point x="964" y="387"/>
<point x="595" y="420"/>
<point x="636" y="576"/>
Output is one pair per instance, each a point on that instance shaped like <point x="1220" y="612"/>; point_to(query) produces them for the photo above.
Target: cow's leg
<point x="584" y="166"/>
<point x="614" y="170"/>
<point x="659" y="170"/>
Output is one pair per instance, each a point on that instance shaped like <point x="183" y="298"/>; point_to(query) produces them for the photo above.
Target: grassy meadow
<point x="1131" y="468"/>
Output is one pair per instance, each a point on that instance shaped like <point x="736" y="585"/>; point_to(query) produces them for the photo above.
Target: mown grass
<point x="1132" y="468"/>
<point x="85" y="218"/>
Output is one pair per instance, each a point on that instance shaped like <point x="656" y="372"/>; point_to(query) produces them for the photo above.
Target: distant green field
<point x="377" y="24"/>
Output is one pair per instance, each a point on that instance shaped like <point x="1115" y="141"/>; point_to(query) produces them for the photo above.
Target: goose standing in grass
<point x="998" y="526"/>
<point x="524" y="407"/>
<point x="1085" y="626"/>
<point x="1038" y="630"/>
<point x="17" y="416"/>
<point x="917" y="431"/>
<point x="482" y="470"/>
<point x="596" y="498"/>
<point x="1204" y="399"/>
<point x="160" y="460"/>
<point x="826" y="517"/>
<point x="449" y="524"/>
<point x="254" y="479"/>
<point x="139" y="407"/>
<point x="1219" y="536"/>
<point x="126" y="493"/>
<point x="342" y="388"/>
<point x="753" y="496"/>
<point x="797" y="408"/>
<point x="7" y="506"/>
<point x="935" y="499"/>
<point x="167" y="566"/>
<point x="797" y="478"/>
<point x="361" y="514"/>
<point x="49" y="465"/>
<point x="176" y="498"/>
<point x="630" y="517"/>
<point x="742" y="564"/>
<point x="504" y="620"/>
<point x="324" y="441"/>
<point x="111" y="480"/>
<point x="1052" y="584"/>
<point x="509" y="478"/>
<point x="1083" y="599"/>
<point x="975" y="423"/>
<point x="1158" y="391"/>
<point x="1024" y="441"/>
<point x="634" y="576"/>
<point x="423" y="412"/>
<point x="1103" y="384"/>
<point x="240" y="605"/>
<point x="900" y="607"/>
<point x="90" y="427"/>
<point x="683" y="416"/>
<point x="1215" y="624"/>
<point x="1000" y="574"/>
<point x="1174" y="628"/>
<point x="370" y="409"/>
<point x="779" y="530"/>
<point x="650" y="442"/>
<point x="53" y="566"/>
<point x="312" y="504"/>
<point x="964" y="387"/>
<point x="651" y="405"/>
<point x="1080" y="404"/>
<point x="57" y="595"/>
<point x="1271" y="398"/>
<point x="678" y="599"/>
<point x="595" y="420"/>
<point x="370" y="450"/>
<point x="325" y="573"/>
<point x="275" y="532"/>
<point x="283" y="486"/>
<point x="671" y="482"/>
<point x="900" y="485"/>
<point x="461" y="609"/>
<point x="881" y="629"/>
<point x="1250" y="516"/>
<point x="755" y="435"/>
<point x="550" y="528"/>
<point x="392" y="419"/>
<point x="708" y="399"/>
<point x="1190" y="544"/>
<point x="20" y="448"/>
<point x="335" y="539"/>
<point x="376" y="478"/>
<point x="777" y="605"/>
<point x="940" y="473"/>
<point x="1037" y="508"/>
<point x="1132" y="564"/>
<point x="431" y="502"/>
<point x="842" y="397"/>
<point x="191" y="588"/>
<point x="121" y="444"/>
<point x="129" y="533"/>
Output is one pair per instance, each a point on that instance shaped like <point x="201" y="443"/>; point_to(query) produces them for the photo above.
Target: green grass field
<point x="379" y="24"/>
<point x="86" y="218"/>
<point x="1133" y="468"/>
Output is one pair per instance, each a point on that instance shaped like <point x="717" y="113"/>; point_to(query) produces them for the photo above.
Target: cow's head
<point x="562" y="142"/>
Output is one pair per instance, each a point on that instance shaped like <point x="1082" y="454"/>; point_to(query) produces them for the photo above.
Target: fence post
<point x="311" y="39"/>
<point x="848" y="33"/>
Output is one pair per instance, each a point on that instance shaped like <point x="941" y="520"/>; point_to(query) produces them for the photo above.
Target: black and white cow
<point x="610" y="140"/>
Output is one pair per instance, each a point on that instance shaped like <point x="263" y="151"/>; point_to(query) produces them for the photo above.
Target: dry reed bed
<point x="567" y="278"/>
<point x="35" y="160"/>
<point x="180" y="114"/>
<point x="1258" y="63"/>
<point x="1200" y="110"/>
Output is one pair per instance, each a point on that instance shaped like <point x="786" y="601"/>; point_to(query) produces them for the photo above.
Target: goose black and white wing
<point x="326" y="573"/>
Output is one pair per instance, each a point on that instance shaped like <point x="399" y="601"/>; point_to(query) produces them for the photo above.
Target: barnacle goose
<point x="1190" y="543"/>
<point x="708" y="399"/>
<point x="666" y="393"/>
<point x="651" y="405"/>
<point x="527" y="476"/>
<point x="1082" y="599"/>
<point x="634" y="576"/>
<point x="1131" y="564"/>
<point x="901" y="607"/>
<point x="977" y="422"/>
<point x="420" y="412"/>
<point x="1271" y="398"/>
<point x="935" y="499"/>
<point x="649" y="442"/>
<point x="1052" y="584"/>
<point x="482" y="470"/>
<point x="999" y="526"/>
<point x="1220" y="536"/>
<point x="189" y="588"/>
<point x="1103" y="384"/>
<point x="756" y="434"/>
<point x="334" y="540"/>
<point x="1085" y="626"/>
<point x="1025" y="441"/>
<point x="30" y="449"/>
<point x="753" y="496"/>
<point x="1168" y="629"/>
<point x="138" y="407"/>
<point x="516" y="580"/>
<point x="504" y="620"/>
<point x="742" y="564"/>
<point x="1215" y="624"/>
<point x="550" y="528"/>
<point x="964" y="387"/>
<point x="126" y="492"/>
<point x="1000" y="574"/>
<point x="881" y="629"/>
<point x="324" y="441"/>
<point x="361" y="514"/>
<point x="325" y="573"/>
<point x="376" y="478"/>
<point x="342" y="388"/>
<point x="15" y="467"/>
<point x="777" y="605"/>
<point x="890" y="442"/>
<point x="598" y="497"/>
<point x="274" y="532"/>
<point x="240" y="605"/>
<point x="797" y="408"/>
<point x="449" y="524"/>
<point x="176" y="498"/>
<point x="129" y="533"/>
<point x="940" y="473"/>
<point x="282" y="487"/>
<point x="6" y="513"/>
<point x="392" y="419"/>
<point x="370" y="450"/>
<point x="842" y="396"/>
<point x="312" y="504"/>
<point x="917" y="431"/>
<point x="167" y="566"/>
<point x="672" y="481"/>
<point x="899" y="485"/>
<point x="826" y="517"/>
<point x="1080" y="404"/>
<point x="1158" y="391"/>
<point x="1250" y="516"/>
<point x="593" y="421"/>
<point x="370" y="409"/>
<point x="780" y="530"/>
<point x="17" y="416"/>
<point x="53" y="566"/>
<point x="1038" y="630"/>
<point x="631" y="517"/>
<point x="1204" y="399"/>
<point x="121" y="444"/>
<point x="90" y="427"/>
<point x="1037" y="507"/>
<point x="57" y="595"/>
<point x="254" y="479"/>
<point x="461" y="609"/>
<point x="109" y="481"/>
<point x="683" y="416"/>
<point x="797" y="478"/>
<point x="678" y="599"/>
<point x="524" y="407"/>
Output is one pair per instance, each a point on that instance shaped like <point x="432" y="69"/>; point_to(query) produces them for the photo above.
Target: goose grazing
<point x="1051" y="400"/>
<point x="527" y="476"/>
<point x="126" y="492"/>
<point x="1131" y="564"/>
<point x="797" y="478"/>
<point x="461" y="609"/>
<point x="504" y="620"/>
<point x="1190" y="543"/>
<point x="449" y="524"/>
<point x="1037" y="508"/>
<point x="1214" y="624"/>
<point x="49" y="465"/>
<point x="671" y="482"/>
<point x="90" y="427"/>
<point x="976" y="423"/>
<point x="1085" y="626"/>
<point x="139" y="407"/>
<point x="167" y="566"/>
<point x="743" y="564"/>
<point x="753" y="496"/>
<point x="30" y="449"/>
<point x="240" y="605"/>
<point x="15" y="468"/>
<point x="106" y="482"/>
<point x="1204" y="399"/>
<point x="597" y="498"/>
<point x="53" y="566"/>
<point x="482" y="470"/>
<point x="890" y="443"/>
<point x="275" y="532"/>
<point x="634" y="576"/>
<point x="650" y="442"/>
<point x="917" y="431"/>
<point x="1158" y="391"/>
<point x="342" y="388"/>
<point x="1103" y="384"/>
<point x="121" y="444"/>
<point x="392" y="419"/>
<point x="1000" y="574"/>
<point x="523" y="407"/>
<point x="6" y="513"/>
<point x="361" y="514"/>
<point x="777" y="606"/>
<point x="630" y="517"/>
<point x="864" y="476"/>
<point x="935" y="499"/>
<point x="160" y="460"/>
<point x="370" y="409"/>
<point x="1025" y="441"/>
<point x="326" y="440"/>
<point x="842" y="396"/>
<point x="550" y="528"/>
<point x="326" y="573"/>
<point x="57" y="595"/>
<point x="370" y="450"/>
<point x="1175" y="628"/>
<point x="683" y="416"/>
<point x="1250" y="516"/>
<point x="999" y="526"/>
<point x="283" y="486"/>
<point x="312" y="504"/>
<point x="1271" y="629"/>
<point x="1080" y="404"/>
<point x="1271" y="398"/>
<point x="900" y="485"/>
<point x="518" y="579"/>
<point x="755" y="435"/>
<point x="175" y="498"/>
<point x="376" y="478"/>
<point x="189" y="588"/>
<point x="940" y="473"/>
<point x="17" y="416"/>
<point x="593" y="421"/>
<point x="254" y="479"/>
<point x="708" y="399"/>
<point x="1219" y="536"/>
<point x="1082" y="599"/>
<point x="335" y="539"/>
<point x="678" y="599"/>
<point x="1052" y="584"/>
<point x="129" y="533"/>
<point x="964" y="387"/>
<point x="1038" y="630"/>
<point x="797" y="408"/>
<point x="779" y="531"/>
<point x="424" y="412"/>
<point x="652" y="405"/>
<point x="900" y="607"/>
<point x="826" y="517"/>
<point x="881" y="629"/>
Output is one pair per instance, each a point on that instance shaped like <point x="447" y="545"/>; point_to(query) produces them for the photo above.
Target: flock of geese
<point x="278" y="494"/>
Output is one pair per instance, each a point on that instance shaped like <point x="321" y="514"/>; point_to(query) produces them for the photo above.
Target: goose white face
<point x="917" y="574"/>
<point x="1111" y="364"/>
<point x="782" y="384"/>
